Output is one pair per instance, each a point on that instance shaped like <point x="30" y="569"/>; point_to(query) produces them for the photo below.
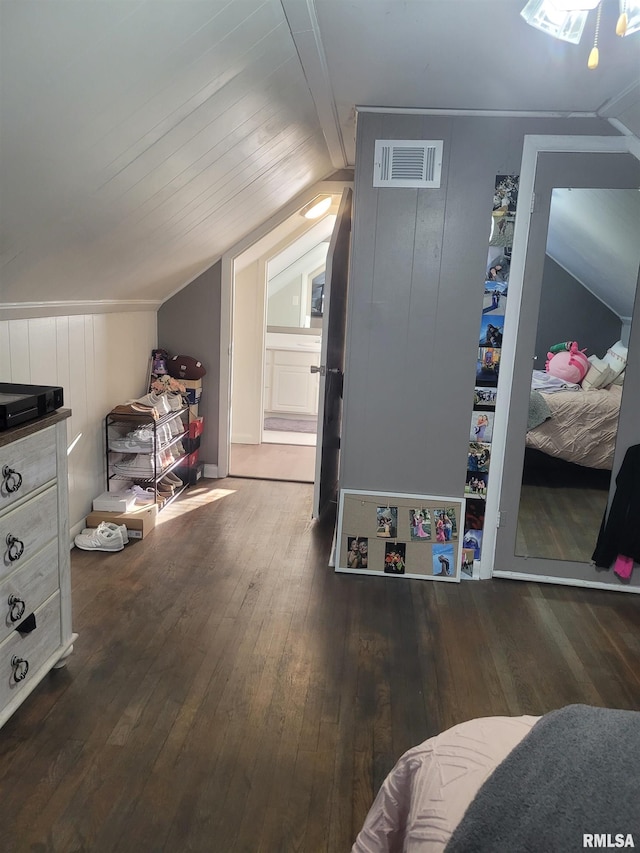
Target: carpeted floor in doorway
<point x="290" y="424"/>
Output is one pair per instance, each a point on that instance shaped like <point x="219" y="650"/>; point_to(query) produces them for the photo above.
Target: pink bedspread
<point x="424" y="797"/>
<point x="582" y="428"/>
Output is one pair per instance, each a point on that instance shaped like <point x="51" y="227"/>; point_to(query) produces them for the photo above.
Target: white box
<point x="114" y="502"/>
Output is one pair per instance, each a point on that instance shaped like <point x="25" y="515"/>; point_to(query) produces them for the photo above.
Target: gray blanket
<point x="577" y="772"/>
<point x="539" y="412"/>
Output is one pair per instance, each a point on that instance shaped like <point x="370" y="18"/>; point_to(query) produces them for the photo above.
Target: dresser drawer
<point x="25" y="465"/>
<point x="28" y="587"/>
<point x="21" y="657"/>
<point x="26" y="529"/>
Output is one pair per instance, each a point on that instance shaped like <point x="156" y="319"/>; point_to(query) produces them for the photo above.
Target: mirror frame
<point x="532" y="147"/>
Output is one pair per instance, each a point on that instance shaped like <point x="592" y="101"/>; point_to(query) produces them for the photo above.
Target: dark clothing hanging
<point x="620" y="531"/>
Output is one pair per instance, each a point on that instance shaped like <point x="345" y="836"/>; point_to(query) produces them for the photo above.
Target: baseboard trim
<point x="211" y="472"/>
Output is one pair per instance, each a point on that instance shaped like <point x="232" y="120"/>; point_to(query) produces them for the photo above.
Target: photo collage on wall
<point x="496" y="293"/>
<point x="415" y="536"/>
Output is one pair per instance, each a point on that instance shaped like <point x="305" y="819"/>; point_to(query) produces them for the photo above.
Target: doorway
<point x="277" y="339"/>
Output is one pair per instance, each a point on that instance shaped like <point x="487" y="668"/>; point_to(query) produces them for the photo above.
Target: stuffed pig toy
<point x="567" y="362"/>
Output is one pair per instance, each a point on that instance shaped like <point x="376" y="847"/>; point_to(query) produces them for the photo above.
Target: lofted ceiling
<point x="141" y="139"/>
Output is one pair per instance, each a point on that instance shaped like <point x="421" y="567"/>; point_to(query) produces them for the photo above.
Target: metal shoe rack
<point x="134" y="420"/>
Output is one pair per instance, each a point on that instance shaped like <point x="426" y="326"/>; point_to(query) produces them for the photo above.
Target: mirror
<point x="588" y="292"/>
<point x="295" y="281"/>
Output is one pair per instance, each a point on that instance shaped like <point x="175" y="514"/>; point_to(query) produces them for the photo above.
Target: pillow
<point x="185" y="367"/>
<point x="616" y="358"/>
<point x="599" y="375"/>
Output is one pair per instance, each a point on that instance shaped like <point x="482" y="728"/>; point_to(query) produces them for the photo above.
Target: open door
<point x="331" y="367"/>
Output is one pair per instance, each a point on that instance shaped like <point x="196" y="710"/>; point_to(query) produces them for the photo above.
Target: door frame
<point x="226" y="307"/>
<point x="533" y="146"/>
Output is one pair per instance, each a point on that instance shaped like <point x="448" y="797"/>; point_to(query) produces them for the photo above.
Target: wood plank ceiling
<point x="140" y="139"/>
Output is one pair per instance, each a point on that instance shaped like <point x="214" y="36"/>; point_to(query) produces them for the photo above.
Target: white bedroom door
<point x="543" y="511"/>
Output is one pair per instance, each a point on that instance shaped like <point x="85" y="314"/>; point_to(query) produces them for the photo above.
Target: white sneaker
<point x="176" y="427"/>
<point x="139" y="467"/>
<point x="176" y="401"/>
<point x="157" y="401"/>
<point x="101" y="539"/>
<point x="144" y="497"/>
<point x="138" y="441"/>
<point x="121" y="527"/>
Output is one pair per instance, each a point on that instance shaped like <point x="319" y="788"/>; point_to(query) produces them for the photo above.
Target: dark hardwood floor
<point x="229" y="692"/>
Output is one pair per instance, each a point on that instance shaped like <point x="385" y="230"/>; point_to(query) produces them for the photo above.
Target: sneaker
<point x="102" y="538"/>
<point x="157" y="401"/>
<point x="139" y="467"/>
<point x="176" y="401"/>
<point x="144" y="497"/>
<point x="138" y="441"/>
<point x="173" y="479"/>
<point x="121" y="527"/>
<point x="176" y="427"/>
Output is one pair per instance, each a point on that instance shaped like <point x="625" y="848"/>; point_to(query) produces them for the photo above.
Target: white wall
<point x="99" y="360"/>
<point x="248" y="353"/>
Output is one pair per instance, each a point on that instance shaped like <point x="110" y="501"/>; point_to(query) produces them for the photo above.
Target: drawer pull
<point x="17" y="606"/>
<point x="20" y="668"/>
<point x="12" y="479"/>
<point x="15" y="548"/>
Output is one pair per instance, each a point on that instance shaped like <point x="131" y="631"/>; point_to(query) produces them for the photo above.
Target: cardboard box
<point x="191" y="444"/>
<point x="139" y="522"/>
<point x="195" y="474"/>
<point x="192" y="459"/>
<point x="114" y="502"/>
<point x="193" y="390"/>
<point x="196" y="427"/>
<point x="193" y="411"/>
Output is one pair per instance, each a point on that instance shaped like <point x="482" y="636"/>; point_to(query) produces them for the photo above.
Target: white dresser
<point x="35" y="582"/>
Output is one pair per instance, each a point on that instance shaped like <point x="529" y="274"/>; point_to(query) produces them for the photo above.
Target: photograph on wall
<point x="491" y="328"/>
<point x="472" y="541"/>
<point x="466" y="567"/>
<point x="505" y="196"/>
<point x="476" y="484"/>
<point x="387" y="522"/>
<point x="442" y="557"/>
<point x="474" y="514"/>
<point x="394" y="558"/>
<point x="494" y="300"/>
<point x="420" y="524"/>
<point x="488" y="366"/>
<point x="498" y="269"/>
<point x="358" y="552"/>
<point x="481" y="426"/>
<point x="484" y="399"/>
<point x="479" y="456"/>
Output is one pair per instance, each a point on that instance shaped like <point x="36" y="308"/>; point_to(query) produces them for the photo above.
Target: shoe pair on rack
<point x="144" y="497"/>
<point x="140" y="467"/>
<point x="169" y="485"/>
<point x="105" y="537"/>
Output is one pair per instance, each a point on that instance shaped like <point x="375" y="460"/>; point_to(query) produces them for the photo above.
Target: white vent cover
<point x="407" y="163"/>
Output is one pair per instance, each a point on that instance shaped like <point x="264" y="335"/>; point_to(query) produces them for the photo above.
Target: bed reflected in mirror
<point x="584" y="322"/>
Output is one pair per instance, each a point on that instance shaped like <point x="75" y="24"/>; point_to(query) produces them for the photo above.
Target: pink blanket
<point x="424" y="797"/>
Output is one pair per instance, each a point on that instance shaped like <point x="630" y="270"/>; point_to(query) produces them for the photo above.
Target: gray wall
<point x="415" y="300"/>
<point x="189" y="324"/>
<point x="569" y="312"/>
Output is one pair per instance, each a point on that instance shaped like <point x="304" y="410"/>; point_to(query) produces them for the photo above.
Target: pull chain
<point x="594" y="56"/>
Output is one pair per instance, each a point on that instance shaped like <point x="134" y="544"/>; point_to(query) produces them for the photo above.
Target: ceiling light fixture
<point x="316" y="207"/>
<point x="566" y="19"/>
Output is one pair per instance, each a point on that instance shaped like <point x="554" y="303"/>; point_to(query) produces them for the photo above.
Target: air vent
<point x="407" y="163"/>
